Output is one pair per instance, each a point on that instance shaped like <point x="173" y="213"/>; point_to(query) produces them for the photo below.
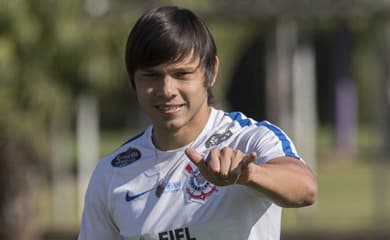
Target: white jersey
<point x="121" y="201"/>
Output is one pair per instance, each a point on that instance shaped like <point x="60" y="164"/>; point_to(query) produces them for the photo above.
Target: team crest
<point x="217" y="138"/>
<point x="197" y="187"/>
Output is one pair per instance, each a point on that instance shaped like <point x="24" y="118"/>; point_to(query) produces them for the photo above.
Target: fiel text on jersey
<point x="176" y="234"/>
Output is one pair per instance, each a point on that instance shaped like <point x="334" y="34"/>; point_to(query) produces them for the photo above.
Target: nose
<point x="166" y="87"/>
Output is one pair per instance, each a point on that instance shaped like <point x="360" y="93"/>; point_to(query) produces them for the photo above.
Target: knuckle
<point x="214" y="151"/>
<point x="238" y="152"/>
<point x="213" y="166"/>
<point x="226" y="150"/>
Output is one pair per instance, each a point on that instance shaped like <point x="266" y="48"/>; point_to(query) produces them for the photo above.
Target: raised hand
<point x="224" y="166"/>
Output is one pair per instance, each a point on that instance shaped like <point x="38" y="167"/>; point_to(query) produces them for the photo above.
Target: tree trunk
<point x="15" y="190"/>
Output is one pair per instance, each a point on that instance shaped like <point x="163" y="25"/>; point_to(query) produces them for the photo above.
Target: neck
<point x="169" y="139"/>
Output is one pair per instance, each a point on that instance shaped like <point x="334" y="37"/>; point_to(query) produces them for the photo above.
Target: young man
<point x="196" y="172"/>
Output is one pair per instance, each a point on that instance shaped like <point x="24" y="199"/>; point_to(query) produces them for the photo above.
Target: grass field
<point x="348" y="200"/>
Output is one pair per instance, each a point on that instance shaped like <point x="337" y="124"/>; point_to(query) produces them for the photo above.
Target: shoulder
<point x="244" y="124"/>
<point x="124" y="155"/>
<point x="135" y="138"/>
<point x="264" y="137"/>
<point x="241" y="123"/>
<point x="103" y="175"/>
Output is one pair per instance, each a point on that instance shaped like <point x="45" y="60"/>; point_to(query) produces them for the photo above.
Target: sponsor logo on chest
<point x="176" y="234"/>
<point x="126" y="158"/>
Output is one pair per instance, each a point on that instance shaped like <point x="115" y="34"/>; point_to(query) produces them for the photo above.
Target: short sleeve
<point x="272" y="142"/>
<point x="96" y="223"/>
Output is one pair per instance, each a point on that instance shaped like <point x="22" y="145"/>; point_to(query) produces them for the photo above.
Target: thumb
<point x="194" y="156"/>
<point x="197" y="159"/>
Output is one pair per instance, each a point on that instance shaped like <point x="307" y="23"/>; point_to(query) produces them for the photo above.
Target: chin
<point x="168" y="125"/>
<point x="172" y="126"/>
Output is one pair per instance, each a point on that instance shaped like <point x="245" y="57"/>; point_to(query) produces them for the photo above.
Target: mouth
<point x="169" y="109"/>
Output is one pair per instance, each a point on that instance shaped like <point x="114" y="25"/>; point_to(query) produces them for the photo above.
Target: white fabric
<point x="190" y="208"/>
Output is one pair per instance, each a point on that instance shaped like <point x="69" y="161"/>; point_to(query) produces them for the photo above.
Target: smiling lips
<point x="170" y="109"/>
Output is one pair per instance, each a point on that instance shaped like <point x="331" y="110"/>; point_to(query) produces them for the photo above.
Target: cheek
<point x="143" y="90"/>
<point x="197" y="89"/>
<point x="199" y="92"/>
<point x="142" y="95"/>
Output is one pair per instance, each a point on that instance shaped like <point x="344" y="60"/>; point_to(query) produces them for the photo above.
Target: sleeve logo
<point x="218" y="138"/>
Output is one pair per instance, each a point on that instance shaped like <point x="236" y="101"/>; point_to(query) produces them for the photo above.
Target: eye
<point x="182" y="74"/>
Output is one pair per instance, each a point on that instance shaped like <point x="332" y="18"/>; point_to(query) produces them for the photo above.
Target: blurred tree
<point x="50" y="53"/>
<point x="30" y="98"/>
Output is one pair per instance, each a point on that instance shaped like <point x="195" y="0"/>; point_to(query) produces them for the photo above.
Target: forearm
<point x="287" y="181"/>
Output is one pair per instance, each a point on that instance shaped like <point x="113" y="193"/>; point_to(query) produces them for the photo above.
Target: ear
<point x="216" y="68"/>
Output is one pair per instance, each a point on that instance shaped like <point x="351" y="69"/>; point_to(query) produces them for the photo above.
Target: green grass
<point x="346" y="200"/>
<point x="354" y="191"/>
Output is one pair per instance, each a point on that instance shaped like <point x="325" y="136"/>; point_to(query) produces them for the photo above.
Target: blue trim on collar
<point x="236" y="116"/>
<point x="133" y="138"/>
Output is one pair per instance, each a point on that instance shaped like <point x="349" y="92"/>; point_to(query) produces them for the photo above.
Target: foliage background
<point x="52" y="52"/>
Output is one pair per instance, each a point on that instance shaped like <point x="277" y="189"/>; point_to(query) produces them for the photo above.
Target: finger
<point x="225" y="159"/>
<point x="244" y="168"/>
<point x="213" y="161"/>
<point x="250" y="158"/>
<point x="196" y="158"/>
<point x="236" y="160"/>
<point x="202" y="165"/>
<point x="242" y="162"/>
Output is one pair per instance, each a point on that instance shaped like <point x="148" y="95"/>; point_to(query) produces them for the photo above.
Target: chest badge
<point x="126" y="158"/>
<point x="197" y="187"/>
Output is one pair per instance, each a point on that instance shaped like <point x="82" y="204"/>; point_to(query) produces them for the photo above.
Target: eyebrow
<point x="186" y="69"/>
<point x="179" y="68"/>
<point x="190" y="67"/>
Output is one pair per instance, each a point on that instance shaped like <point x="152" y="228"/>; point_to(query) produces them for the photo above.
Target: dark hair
<point x="167" y="35"/>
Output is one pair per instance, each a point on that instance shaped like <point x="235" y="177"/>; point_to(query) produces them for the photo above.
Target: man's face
<point x="174" y="95"/>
